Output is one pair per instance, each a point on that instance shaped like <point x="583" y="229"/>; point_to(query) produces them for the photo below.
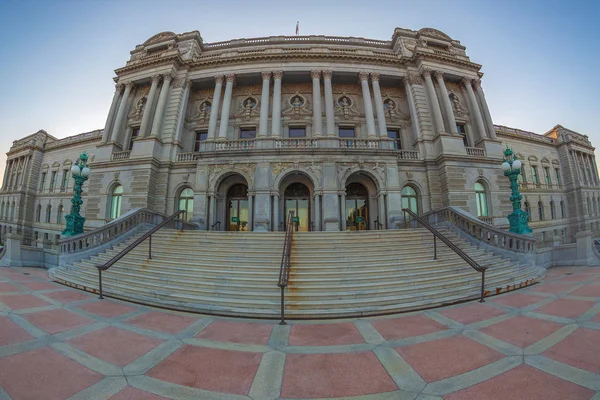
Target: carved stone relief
<point x="345" y="106"/>
<point x="292" y="88"/>
<point x="346" y="89"/>
<point x="248" y="107"/>
<point x="297" y="106"/>
<point x="215" y="170"/>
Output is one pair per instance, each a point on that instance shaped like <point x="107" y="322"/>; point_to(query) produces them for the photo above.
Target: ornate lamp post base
<point x="518" y="222"/>
<point x="518" y="218"/>
<point x="74" y="225"/>
<point x="75" y="221"/>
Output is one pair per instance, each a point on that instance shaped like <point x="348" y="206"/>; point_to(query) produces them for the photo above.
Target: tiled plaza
<point x="542" y="342"/>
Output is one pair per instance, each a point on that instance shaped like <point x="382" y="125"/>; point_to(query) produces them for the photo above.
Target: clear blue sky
<point x="540" y="58"/>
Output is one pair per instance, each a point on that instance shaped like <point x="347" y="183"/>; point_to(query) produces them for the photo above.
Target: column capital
<point x="219" y="79"/>
<point x="466" y="81"/>
<point x="327" y="74"/>
<point x="315" y="74"/>
<point x="156" y="78"/>
<point x="168" y="76"/>
<point x="119" y="87"/>
<point x="363" y="76"/>
<point x="414" y="78"/>
<point x="374" y="77"/>
<point x="230" y="78"/>
<point x="277" y="74"/>
<point x="476" y="82"/>
<point x="427" y="72"/>
<point x="129" y="85"/>
<point x="438" y="74"/>
<point x="182" y="82"/>
<point x="266" y="75"/>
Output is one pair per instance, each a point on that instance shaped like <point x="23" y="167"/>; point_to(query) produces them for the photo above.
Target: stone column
<point x="439" y="76"/>
<point x="275" y="212"/>
<point x="317" y="125"/>
<point x="379" y="106"/>
<point x="434" y="103"/>
<point x="111" y="113"/>
<point x="212" y="210"/>
<point x="486" y="109"/>
<point x="214" y="109"/>
<point x="595" y="167"/>
<point x="121" y="114"/>
<point x="467" y="82"/>
<point x="160" y="106"/>
<point x="230" y="79"/>
<point x="145" y="126"/>
<point x="329" y="112"/>
<point x="187" y="84"/>
<point x="414" y="119"/>
<point x="6" y="173"/>
<point x="343" y="210"/>
<point x="276" y="115"/>
<point x="381" y="210"/>
<point x="250" y="212"/>
<point x="317" y="205"/>
<point x="264" y="105"/>
<point x="366" y="94"/>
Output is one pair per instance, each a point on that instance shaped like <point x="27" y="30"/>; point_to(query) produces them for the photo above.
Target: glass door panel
<point x="243" y="214"/>
<point x="356" y="215"/>
<point x="302" y="212"/>
<point x="233" y="217"/>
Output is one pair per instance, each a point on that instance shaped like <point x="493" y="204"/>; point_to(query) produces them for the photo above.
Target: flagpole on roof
<point x="297" y="28"/>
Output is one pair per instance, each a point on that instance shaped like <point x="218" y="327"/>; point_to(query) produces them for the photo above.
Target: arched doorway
<point x="237" y="208"/>
<point x="357" y="208"/>
<point x="297" y="198"/>
<point x="186" y="203"/>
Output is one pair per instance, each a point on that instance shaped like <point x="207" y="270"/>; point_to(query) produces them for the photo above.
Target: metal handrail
<point x="122" y="253"/>
<point x="284" y="270"/>
<point x="452" y="246"/>
<point x="212" y="227"/>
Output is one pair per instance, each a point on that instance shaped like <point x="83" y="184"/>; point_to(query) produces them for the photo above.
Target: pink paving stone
<point x="107" y="308"/>
<point x="566" y="308"/>
<point x="523" y="383"/>
<point x="204" y="368"/>
<point x="40" y="285"/>
<point x="518" y="300"/>
<point x="587" y="291"/>
<point x="6" y="287"/>
<point x="114" y="345"/>
<point x="403" y="327"/>
<point x="17" y="277"/>
<point x="447" y="357"/>
<point x="12" y="333"/>
<point x="556" y="288"/>
<point x="55" y="321"/>
<point x="44" y="374"/>
<point x="470" y="313"/>
<point x="163" y="322"/>
<point x="22" y="301"/>
<point x="334" y="375"/>
<point x="237" y="332"/>
<point x="575" y="278"/>
<point x="68" y="296"/>
<point x="325" y="335"/>
<point x="131" y="393"/>
<point x="596" y="318"/>
<point x="521" y="331"/>
<point x="580" y="349"/>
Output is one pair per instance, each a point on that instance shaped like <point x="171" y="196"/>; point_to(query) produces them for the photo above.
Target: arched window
<point x="410" y="199"/>
<point x="38" y="215"/>
<point x="562" y="209"/>
<point x="59" y="214"/>
<point x="528" y="211"/>
<point x="481" y="198"/>
<point x="186" y="203"/>
<point x="541" y="210"/>
<point x="48" y="213"/>
<point x="552" y="210"/>
<point x="115" y="202"/>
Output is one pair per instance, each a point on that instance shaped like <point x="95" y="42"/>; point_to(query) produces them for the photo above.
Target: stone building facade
<point x="345" y="131"/>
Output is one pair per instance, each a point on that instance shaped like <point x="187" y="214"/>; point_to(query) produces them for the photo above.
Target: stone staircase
<point x="333" y="274"/>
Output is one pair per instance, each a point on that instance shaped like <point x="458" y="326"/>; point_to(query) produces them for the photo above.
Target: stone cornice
<point x="417" y="57"/>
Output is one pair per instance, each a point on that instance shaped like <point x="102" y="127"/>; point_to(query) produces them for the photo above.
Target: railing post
<point x="434" y="248"/>
<point x="482" y="300"/>
<point x="100" y="283"/>
<point x="150" y="247"/>
<point x="282" y="322"/>
<point x="405" y="221"/>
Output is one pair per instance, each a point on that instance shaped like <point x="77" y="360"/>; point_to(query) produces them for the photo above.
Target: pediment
<point x="434" y="33"/>
<point x="532" y="158"/>
<point x="545" y="160"/>
<point x="160" y="37"/>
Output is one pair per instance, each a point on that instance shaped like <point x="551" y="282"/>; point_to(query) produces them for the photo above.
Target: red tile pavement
<point x="580" y="349"/>
<point x="107" y="308"/>
<point x="575" y="278"/>
<point x="237" y="332"/>
<point x="114" y="345"/>
<point x="556" y="288"/>
<point x="334" y="375"/>
<point x="470" y="313"/>
<point x="55" y="321"/>
<point x="6" y="287"/>
<point x="596" y="318"/>
<point x="68" y="296"/>
<point x="521" y="331"/>
<point x="22" y="301"/>
<point x="41" y="285"/>
<point x="325" y="334"/>
<point x="447" y="357"/>
<point x="19" y="277"/>
<point x="523" y="383"/>
<point x="209" y="369"/>
<point x="565" y="308"/>
<point x="403" y="327"/>
<point x="44" y="374"/>
<point x="587" y="291"/>
<point x="163" y="322"/>
<point x="517" y="300"/>
<point x="131" y="393"/>
<point x="12" y="333"/>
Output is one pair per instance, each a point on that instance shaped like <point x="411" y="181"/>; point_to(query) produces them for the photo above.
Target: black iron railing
<point x="447" y="242"/>
<point x="148" y="235"/>
<point x="284" y="271"/>
<point x="212" y="227"/>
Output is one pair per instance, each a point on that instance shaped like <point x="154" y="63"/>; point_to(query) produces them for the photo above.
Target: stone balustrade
<point x="295" y="143"/>
<point x="408" y="155"/>
<point x="120" y="155"/>
<point x="358" y="143"/>
<point x="475" y="152"/>
<point x="234" y="145"/>
<point x="186" y="157"/>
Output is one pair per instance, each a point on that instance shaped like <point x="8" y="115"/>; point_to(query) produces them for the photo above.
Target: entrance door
<point x="297" y="198"/>
<point x="237" y="208"/>
<point x="357" y="209"/>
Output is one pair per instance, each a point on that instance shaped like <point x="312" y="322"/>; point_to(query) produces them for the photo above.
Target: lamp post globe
<point x="80" y="172"/>
<point x="518" y="218"/>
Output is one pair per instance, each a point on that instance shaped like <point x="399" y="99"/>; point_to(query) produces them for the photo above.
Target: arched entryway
<point x="296" y="191"/>
<point x="357" y="207"/>
<point x="363" y="203"/>
<point x="237" y="208"/>
<point x="297" y="198"/>
<point x="230" y="208"/>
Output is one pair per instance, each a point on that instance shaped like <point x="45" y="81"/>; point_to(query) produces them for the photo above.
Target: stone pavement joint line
<point x="541" y="342"/>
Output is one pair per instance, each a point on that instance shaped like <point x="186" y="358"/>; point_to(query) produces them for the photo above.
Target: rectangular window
<point x="557" y="170"/>
<point x="346" y="132"/>
<point x="135" y="132"/>
<point x="43" y="181"/>
<point x="547" y="175"/>
<point x="65" y="177"/>
<point x="534" y="174"/>
<point x="463" y="132"/>
<point x="297" y="132"/>
<point x="201" y="136"/>
<point x="395" y="135"/>
<point x="248" y="133"/>
<point x="53" y="180"/>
